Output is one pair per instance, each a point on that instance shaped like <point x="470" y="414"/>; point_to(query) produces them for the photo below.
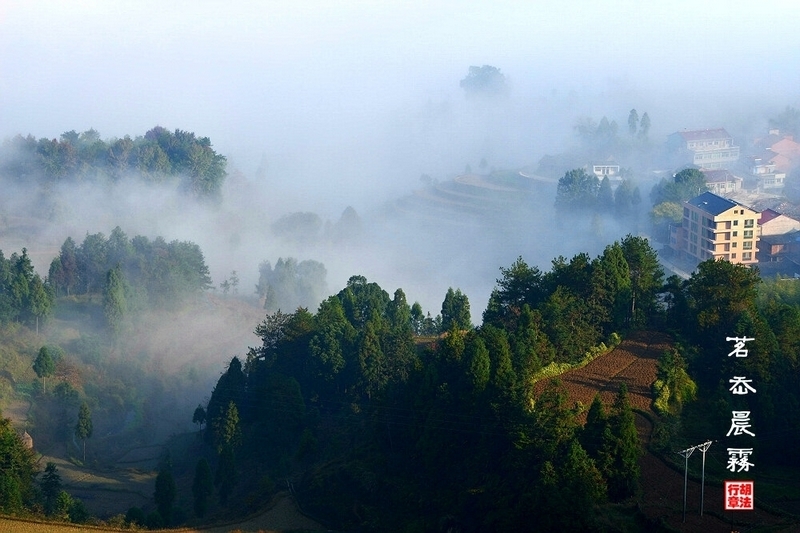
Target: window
<point x="748" y="234"/>
<point x="733" y="256"/>
<point x="748" y="223"/>
<point x="733" y="244"/>
<point x="746" y="256"/>
<point x="735" y="233"/>
<point x="695" y="217"/>
<point x="747" y="245"/>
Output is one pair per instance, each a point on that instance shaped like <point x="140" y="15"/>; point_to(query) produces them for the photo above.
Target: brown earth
<point x="281" y="516"/>
<point x="634" y="362"/>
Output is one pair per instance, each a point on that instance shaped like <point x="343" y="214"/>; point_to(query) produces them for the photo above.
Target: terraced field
<point x="634" y="363"/>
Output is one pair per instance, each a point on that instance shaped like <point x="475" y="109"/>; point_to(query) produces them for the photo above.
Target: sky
<point x="308" y="84"/>
<point x="350" y="102"/>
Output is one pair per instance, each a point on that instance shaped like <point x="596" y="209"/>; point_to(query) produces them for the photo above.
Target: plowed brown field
<point x="633" y="362"/>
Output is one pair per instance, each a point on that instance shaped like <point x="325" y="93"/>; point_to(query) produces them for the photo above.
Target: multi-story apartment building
<point x="707" y="149"/>
<point x="714" y="227"/>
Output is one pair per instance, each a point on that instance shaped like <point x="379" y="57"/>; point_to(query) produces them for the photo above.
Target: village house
<point x="706" y="149"/>
<point x="722" y="182"/>
<point x="779" y="237"/>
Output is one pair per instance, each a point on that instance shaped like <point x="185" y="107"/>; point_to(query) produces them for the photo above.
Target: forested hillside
<point x="378" y="428"/>
<point x="376" y="415"/>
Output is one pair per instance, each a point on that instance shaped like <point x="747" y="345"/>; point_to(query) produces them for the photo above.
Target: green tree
<point x="165" y="494"/>
<point x="611" y="289"/>
<point x="485" y="81"/>
<point x="40" y="300"/>
<point x="633" y="122"/>
<point x="199" y="416"/>
<point x="719" y="293"/>
<point x="417" y="318"/>
<point x="229" y="430"/>
<point x="115" y="304"/>
<point x="84" y="429"/>
<point x="455" y="311"/>
<point x="372" y="361"/>
<point x="664" y="214"/>
<point x="622" y="448"/>
<point x="202" y="487"/>
<point x="225" y="478"/>
<point x="673" y="386"/>
<point x="644" y="126"/>
<point x="577" y="190"/>
<point x="520" y="284"/>
<point x="229" y="388"/>
<point x="685" y="184"/>
<point x="18" y="470"/>
<point x="626" y="199"/>
<point x="646" y="278"/>
<point x="44" y="366"/>
<point x="476" y="356"/>
<point x="605" y="196"/>
<point x="50" y="485"/>
<point x="591" y="436"/>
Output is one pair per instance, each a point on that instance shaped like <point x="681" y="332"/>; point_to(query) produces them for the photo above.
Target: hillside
<point x="634" y="362"/>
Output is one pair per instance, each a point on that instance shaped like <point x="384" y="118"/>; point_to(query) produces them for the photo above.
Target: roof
<point x="711" y="203"/>
<point x="785" y="147"/>
<point x="764" y="157"/>
<point x="767" y="215"/>
<point x="702" y="135"/>
<point x="719" y="176"/>
<point x="783" y="238"/>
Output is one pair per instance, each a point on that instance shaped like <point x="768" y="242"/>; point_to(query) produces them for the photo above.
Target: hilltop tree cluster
<point x="373" y="416"/>
<point x="156" y="157"/>
<point x="291" y="284"/>
<point x="24" y="295"/>
<point x="129" y="272"/>
<point x="579" y="190"/>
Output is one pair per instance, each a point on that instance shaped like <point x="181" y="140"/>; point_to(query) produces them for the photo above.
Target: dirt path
<point x="634" y="362"/>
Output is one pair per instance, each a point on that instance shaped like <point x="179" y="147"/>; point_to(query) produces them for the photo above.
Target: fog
<point x="319" y="106"/>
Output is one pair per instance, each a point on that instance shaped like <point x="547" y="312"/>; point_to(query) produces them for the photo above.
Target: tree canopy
<point x="485" y="81"/>
<point x="159" y="155"/>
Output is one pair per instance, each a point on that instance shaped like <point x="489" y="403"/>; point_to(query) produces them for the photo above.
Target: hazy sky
<point x="309" y="81"/>
<point x="348" y="103"/>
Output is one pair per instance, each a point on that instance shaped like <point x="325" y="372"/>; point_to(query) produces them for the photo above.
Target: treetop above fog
<point x="159" y="156"/>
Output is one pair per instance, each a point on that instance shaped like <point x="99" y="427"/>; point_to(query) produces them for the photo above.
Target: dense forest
<point x="384" y="429"/>
<point x="376" y="414"/>
<point x="159" y="156"/>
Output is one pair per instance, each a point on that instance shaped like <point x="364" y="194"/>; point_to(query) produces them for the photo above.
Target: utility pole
<point x="685" y="454"/>
<point x="703" y="448"/>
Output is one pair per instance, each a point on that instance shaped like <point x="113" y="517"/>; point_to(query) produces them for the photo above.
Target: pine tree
<point x="596" y="424"/>
<point x="165" y="493"/>
<point x="114" y="302"/>
<point x="83" y="429"/>
<point x="622" y="448"/>
<point x="44" y="366"/>
<point x="202" y="487"/>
